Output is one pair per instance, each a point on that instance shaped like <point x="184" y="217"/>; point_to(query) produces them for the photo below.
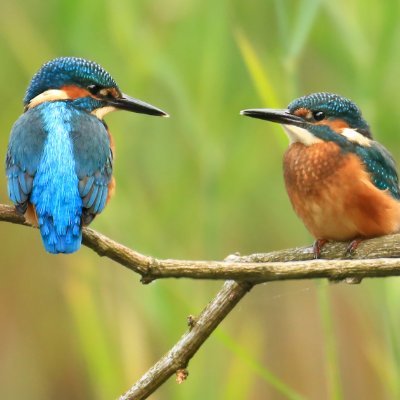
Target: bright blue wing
<point x="93" y="163"/>
<point x="25" y="149"/>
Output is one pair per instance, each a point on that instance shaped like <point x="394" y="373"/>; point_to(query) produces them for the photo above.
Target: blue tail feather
<point x="55" y="242"/>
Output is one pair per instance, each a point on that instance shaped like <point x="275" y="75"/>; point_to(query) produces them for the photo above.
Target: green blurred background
<point x="200" y="185"/>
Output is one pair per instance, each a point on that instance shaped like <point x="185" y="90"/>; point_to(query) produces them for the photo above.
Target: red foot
<point x="352" y="247"/>
<point x="317" y="247"/>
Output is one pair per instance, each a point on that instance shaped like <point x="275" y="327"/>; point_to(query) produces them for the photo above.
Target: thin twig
<point x="177" y="359"/>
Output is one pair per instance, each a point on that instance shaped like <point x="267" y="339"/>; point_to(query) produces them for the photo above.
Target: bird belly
<point x="334" y="196"/>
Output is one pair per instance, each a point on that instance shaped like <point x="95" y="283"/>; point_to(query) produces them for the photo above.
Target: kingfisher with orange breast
<point x="60" y="154"/>
<point x="341" y="182"/>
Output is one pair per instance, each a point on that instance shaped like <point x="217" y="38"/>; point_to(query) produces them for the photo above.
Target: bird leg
<point x="352" y="247"/>
<point x="317" y="247"/>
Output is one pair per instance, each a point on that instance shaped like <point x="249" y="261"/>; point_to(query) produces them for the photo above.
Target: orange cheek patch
<point x="303" y="113"/>
<point x="337" y="125"/>
<point x="75" y="92"/>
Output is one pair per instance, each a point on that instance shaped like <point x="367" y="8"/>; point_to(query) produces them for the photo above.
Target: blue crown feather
<point x="332" y="105"/>
<point x="64" y="71"/>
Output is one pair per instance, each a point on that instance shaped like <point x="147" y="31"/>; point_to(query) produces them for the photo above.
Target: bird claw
<point x="317" y="247"/>
<point x="350" y="250"/>
<point x="352" y="247"/>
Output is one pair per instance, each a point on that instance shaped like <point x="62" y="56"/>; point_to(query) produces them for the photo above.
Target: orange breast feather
<point x="332" y="193"/>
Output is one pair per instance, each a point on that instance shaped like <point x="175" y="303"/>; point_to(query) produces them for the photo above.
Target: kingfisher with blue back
<point x="60" y="154"/>
<point x="341" y="182"/>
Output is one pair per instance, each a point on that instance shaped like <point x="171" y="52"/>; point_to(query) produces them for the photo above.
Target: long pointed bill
<point x="294" y="126"/>
<point x="130" y="104"/>
<point x="269" y="114"/>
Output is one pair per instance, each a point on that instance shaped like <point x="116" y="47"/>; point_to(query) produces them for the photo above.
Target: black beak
<point x="130" y="104"/>
<point x="280" y="116"/>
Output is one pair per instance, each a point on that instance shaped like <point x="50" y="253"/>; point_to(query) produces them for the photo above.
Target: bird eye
<point x="94" y="89"/>
<point x="318" y="115"/>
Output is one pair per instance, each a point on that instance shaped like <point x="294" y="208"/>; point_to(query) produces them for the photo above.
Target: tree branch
<point x="374" y="258"/>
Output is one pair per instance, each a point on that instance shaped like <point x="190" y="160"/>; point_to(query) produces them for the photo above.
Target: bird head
<point x="319" y="117"/>
<point x="86" y="85"/>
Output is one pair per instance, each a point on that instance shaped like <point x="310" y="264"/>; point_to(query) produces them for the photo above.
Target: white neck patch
<point x="56" y="94"/>
<point x="300" y="135"/>
<point x="356" y="137"/>
<point x="48" y="95"/>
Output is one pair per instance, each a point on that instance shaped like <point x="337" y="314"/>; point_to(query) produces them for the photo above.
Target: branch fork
<point x="377" y="257"/>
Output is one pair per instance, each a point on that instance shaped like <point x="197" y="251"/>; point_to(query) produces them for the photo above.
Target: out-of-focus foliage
<point x="200" y="185"/>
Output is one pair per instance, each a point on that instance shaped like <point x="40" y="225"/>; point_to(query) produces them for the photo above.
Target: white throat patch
<point x="101" y="112"/>
<point x="297" y="134"/>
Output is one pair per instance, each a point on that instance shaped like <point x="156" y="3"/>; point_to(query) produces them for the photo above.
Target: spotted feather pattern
<point x="333" y="106"/>
<point x="67" y="71"/>
<point x="376" y="159"/>
<point x="381" y="166"/>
